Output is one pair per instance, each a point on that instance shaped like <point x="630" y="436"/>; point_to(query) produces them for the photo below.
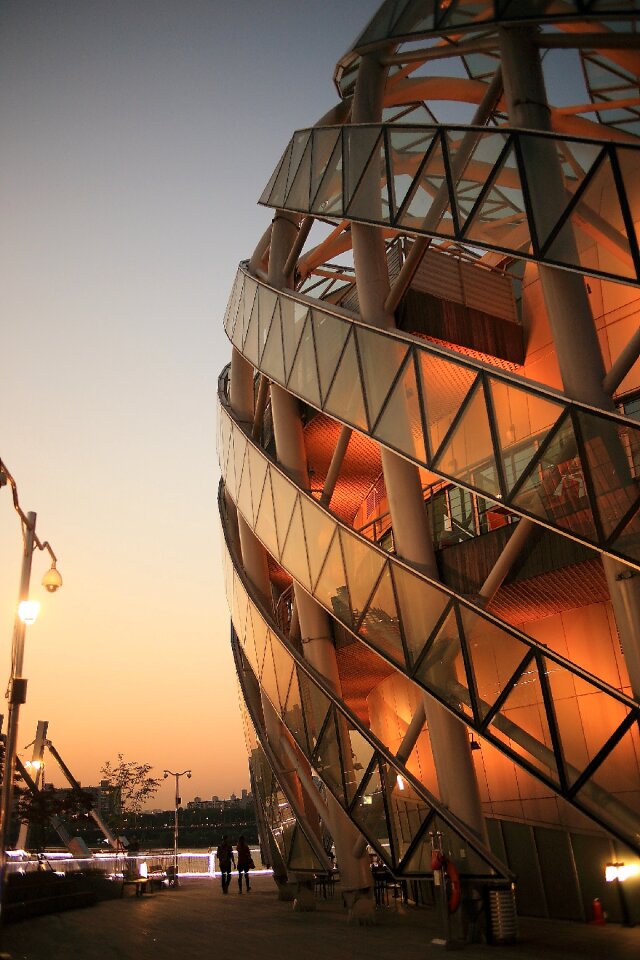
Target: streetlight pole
<point x="170" y="773"/>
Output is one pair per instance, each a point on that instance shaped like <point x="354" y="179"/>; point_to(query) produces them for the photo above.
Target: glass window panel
<point x="444" y="387"/>
<point x="522" y="421"/>
<point x="345" y="398"/>
<point x="243" y="500"/>
<point x="331" y="588"/>
<point x="266" y="193"/>
<point x="495" y="656"/>
<point x="250" y="643"/>
<point x="298" y="195"/>
<point x="420" y="860"/>
<point x="555" y="489"/>
<point x="284" y="499"/>
<point x="381" y="359"/>
<point x="500" y="220"/>
<point x="265" y="527"/>
<point x="361" y="753"/>
<point x="363" y="565"/>
<point x="261" y="637"/>
<point x="327" y="761"/>
<point x="303" y="379"/>
<point x="468" y="454"/>
<point x="443" y="668"/>
<point x="328" y="198"/>
<point x="361" y="153"/>
<point x="268" y="679"/>
<point x="407" y="810"/>
<point x="258" y="469"/>
<point x="315" y="706"/>
<point x="276" y="197"/>
<point x="319" y="529"/>
<point x="298" y="146"/>
<point x="268" y="300"/>
<point x="407" y="150"/>
<point x="429" y="207"/>
<point x="607" y="447"/>
<point x="324" y="143"/>
<point x="250" y="345"/>
<point x="293" y="715"/>
<point x="477" y="171"/>
<point x="628" y="161"/>
<point x="628" y="543"/>
<point x="330" y="336"/>
<point x="232" y="304"/>
<point x="239" y="609"/>
<point x="294" y="554"/>
<point x="421" y="607"/>
<point x="284" y="666"/>
<point x="370" y="814"/>
<point x="400" y="425"/>
<point x="244" y="313"/>
<point x="272" y="360"/>
<point x="522" y="724"/>
<point x="294" y="317"/>
<point x="380" y="625"/>
<point x="469" y="862"/>
<point x="371" y="198"/>
<point x="302" y="856"/>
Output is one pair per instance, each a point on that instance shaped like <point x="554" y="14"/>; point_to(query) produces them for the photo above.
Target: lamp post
<point x="26" y="614"/>
<point x="170" y="773"/>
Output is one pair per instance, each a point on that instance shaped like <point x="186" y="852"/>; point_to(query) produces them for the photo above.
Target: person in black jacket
<point x="226" y="862"/>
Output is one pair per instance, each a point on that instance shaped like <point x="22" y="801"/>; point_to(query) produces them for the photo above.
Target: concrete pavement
<point x="197" y="921"/>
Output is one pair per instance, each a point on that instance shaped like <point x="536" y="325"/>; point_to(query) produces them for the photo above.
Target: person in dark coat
<point x="225" y="862"/>
<point x="245" y="863"/>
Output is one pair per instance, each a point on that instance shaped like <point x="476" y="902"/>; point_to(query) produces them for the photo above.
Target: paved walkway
<point x="197" y="921"/>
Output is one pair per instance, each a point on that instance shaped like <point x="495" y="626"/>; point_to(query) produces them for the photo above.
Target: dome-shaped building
<point x="430" y="459"/>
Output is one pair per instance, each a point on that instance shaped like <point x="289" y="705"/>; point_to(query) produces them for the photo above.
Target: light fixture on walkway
<point x="178" y="801"/>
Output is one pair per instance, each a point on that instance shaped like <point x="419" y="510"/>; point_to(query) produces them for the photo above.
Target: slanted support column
<point x="449" y="741"/>
<point x="570" y="318"/>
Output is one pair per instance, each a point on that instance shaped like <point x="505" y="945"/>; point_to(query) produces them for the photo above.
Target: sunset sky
<point x="136" y="137"/>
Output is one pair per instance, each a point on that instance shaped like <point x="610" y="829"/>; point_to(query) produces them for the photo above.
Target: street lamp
<point x="27" y="612"/>
<point x="170" y="773"/>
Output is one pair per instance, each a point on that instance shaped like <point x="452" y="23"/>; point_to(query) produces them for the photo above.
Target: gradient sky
<point x="136" y="138"/>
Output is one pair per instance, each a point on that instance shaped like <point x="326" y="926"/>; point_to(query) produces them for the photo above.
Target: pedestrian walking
<point x="226" y="862"/>
<point x="245" y="863"/>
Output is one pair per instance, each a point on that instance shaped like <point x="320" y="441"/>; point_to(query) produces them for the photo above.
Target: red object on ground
<point x="597" y="913"/>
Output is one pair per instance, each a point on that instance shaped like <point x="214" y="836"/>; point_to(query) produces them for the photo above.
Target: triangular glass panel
<point x="239" y="450"/>
<point x="345" y="398"/>
<point x="356" y="766"/>
<point x="381" y="358"/>
<point x="239" y="609"/>
<point x="370" y="814"/>
<point x="267" y="299"/>
<point x="597" y="229"/>
<point x="232" y="304"/>
<point x="475" y="172"/>
<point x="628" y="543"/>
<point x="371" y="198"/>
<point x="400" y="425"/>
<point x="381" y="625"/>
<point x="294" y="554"/>
<point x="407" y="810"/>
<point x="276" y="197"/>
<point x="265" y="526"/>
<point x="628" y="163"/>
<point x="555" y="489"/>
<point x="495" y="656"/>
<point x="294" y="318"/>
<point x="586" y="717"/>
<point x="268" y="677"/>
<point x="268" y="190"/>
<point x="250" y="345"/>
<point x="359" y="145"/>
<point x="303" y="379"/>
<point x="272" y="360"/>
<point x="293" y="715"/>
<point x="300" y="142"/>
<point x="421" y="607"/>
<point x="606" y="445"/>
<point x="521" y="417"/>
<point x="330" y="335"/>
<point x="522" y="724"/>
<point x="468" y="453"/>
<point x="261" y="637"/>
<point x="444" y="387"/>
<point x="284" y="667"/>
<point x="469" y="860"/>
<point x="324" y="143"/>
<point x="243" y="500"/>
<point x="442" y="669"/>
<point x="363" y="565"/>
<point x="407" y="149"/>
<point x="284" y="499"/>
<point x="429" y="207"/>
<point x="259" y="466"/>
<point x="331" y="588"/>
<point x="301" y="855"/>
<point x="245" y="312"/>
<point x="420" y="859"/>
<point x="327" y="759"/>
<point x="298" y="195"/>
<point x="319" y="529"/>
<point x="328" y="199"/>
<point x="315" y="706"/>
<point x="500" y="217"/>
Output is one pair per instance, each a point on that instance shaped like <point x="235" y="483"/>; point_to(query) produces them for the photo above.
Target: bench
<point x="140" y="883"/>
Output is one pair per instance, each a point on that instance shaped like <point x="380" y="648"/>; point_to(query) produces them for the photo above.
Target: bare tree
<point x="133" y="782"/>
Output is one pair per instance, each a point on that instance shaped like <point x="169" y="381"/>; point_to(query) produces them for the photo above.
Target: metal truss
<point x="480" y="668"/>
<point x="563" y="464"/>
